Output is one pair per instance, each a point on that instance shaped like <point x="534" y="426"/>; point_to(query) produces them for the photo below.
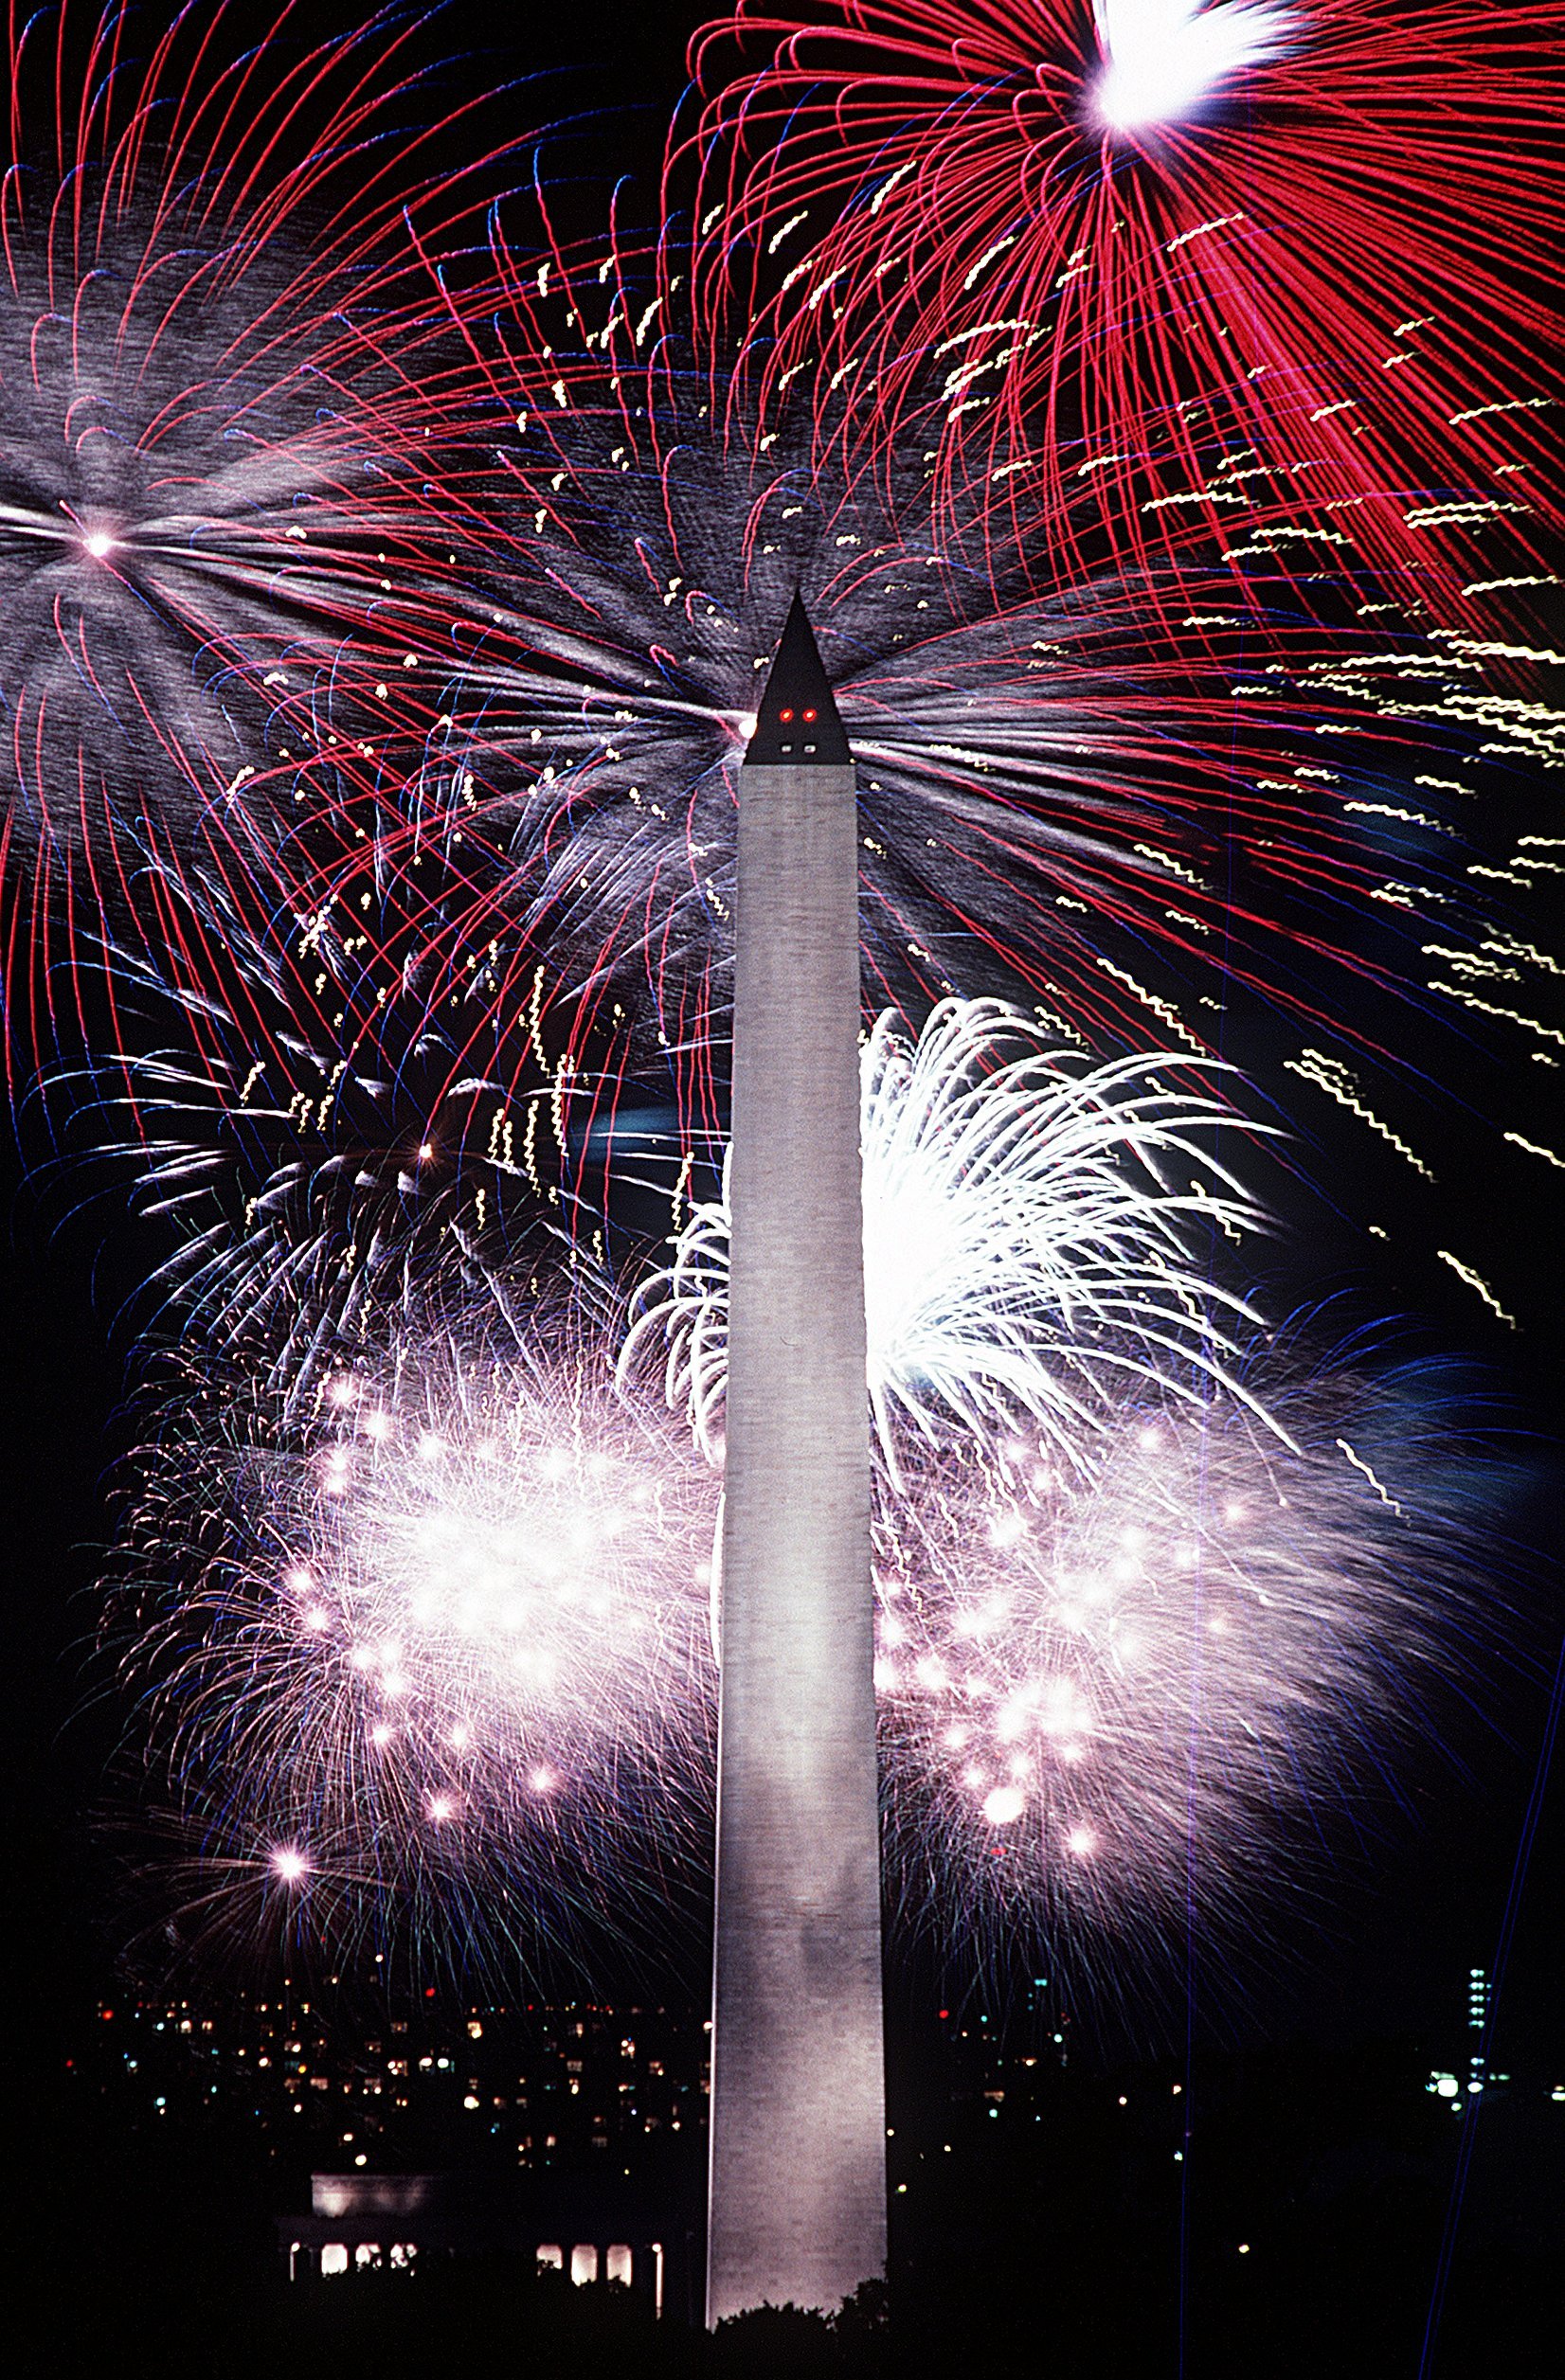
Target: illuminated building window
<point x="552" y="2259"/>
<point x="618" y="2265"/>
<point x="583" y="2263"/>
<point x="333" y="2258"/>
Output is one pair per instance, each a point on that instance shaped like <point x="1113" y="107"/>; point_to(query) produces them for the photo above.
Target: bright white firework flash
<point x="496" y="1574"/>
<point x="432" y="1633"/>
<point x="1035" y="1226"/>
<point x="1165" y="59"/>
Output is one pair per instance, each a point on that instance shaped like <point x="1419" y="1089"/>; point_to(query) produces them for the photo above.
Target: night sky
<point x="1399" y="1921"/>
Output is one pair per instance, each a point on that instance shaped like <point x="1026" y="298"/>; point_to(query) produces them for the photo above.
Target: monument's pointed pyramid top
<point x="797" y="726"/>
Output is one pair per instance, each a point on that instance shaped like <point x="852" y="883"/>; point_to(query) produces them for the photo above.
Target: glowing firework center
<point x="1164" y="60"/>
<point x="506" y="1580"/>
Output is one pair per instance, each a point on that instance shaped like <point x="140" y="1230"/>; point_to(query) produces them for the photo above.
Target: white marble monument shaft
<point x="798" y="2180"/>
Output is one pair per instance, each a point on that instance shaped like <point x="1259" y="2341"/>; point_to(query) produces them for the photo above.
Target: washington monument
<point x="798" y="2180"/>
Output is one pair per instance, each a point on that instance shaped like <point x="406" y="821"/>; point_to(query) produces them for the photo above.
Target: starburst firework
<point x="1116" y="1704"/>
<point x="1221" y="264"/>
<point x="219" y="353"/>
<point x="1074" y="792"/>
<point x="1034" y="1240"/>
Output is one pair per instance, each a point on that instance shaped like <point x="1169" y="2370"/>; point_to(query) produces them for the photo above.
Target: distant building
<point x="588" y="2229"/>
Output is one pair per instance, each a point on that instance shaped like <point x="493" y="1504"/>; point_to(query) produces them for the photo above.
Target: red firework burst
<point x="1082" y="788"/>
<point x="1103" y="242"/>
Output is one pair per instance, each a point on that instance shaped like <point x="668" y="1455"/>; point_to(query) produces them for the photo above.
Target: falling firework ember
<point x="1247" y="263"/>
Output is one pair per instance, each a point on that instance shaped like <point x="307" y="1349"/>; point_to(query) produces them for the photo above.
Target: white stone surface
<point x="798" y="2203"/>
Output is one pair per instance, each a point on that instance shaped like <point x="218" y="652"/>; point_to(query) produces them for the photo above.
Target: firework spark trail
<point x="1165" y="62"/>
<point x="1053" y="786"/>
<point x="1031" y="1242"/>
<point x="427" y="1631"/>
<point x="1106" y="249"/>
<point x="325" y="1106"/>
<point x="1044" y="1643"/>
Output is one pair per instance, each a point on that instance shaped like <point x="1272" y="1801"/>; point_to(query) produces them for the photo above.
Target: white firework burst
<point x="1035" y="1227"/>
<point x="1116" y="1708"/>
